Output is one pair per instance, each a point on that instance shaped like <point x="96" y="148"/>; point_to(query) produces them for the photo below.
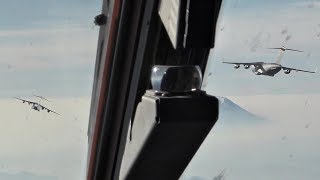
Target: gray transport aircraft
<point x="36" y="106"/>
<point x="269" y="69"/>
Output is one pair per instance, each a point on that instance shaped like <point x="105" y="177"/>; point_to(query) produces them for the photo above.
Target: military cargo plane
<point x="269" y="69"/>
<point x="36" y="106"/>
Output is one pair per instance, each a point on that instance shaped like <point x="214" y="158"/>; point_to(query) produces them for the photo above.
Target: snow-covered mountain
<point x="230" y="112"/>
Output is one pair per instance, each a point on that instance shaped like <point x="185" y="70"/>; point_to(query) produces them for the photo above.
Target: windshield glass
<point x="47" y="56"/>
<point x="269" y="93"/>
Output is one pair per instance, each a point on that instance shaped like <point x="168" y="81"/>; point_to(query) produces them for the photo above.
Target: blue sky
<point x="37" y="13"/>
<point x="48" y="46"/>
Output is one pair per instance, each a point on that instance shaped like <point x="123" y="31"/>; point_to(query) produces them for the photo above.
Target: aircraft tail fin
<point x="279" y="57"/>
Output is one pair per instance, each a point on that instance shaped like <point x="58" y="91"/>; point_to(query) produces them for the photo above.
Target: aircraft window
<point x="269" y="94"/>
<point x="47" y="58"/>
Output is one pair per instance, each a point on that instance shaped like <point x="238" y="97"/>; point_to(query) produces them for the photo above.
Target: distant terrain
<point x="25" y="176"/>
<point x="220" y="176"/>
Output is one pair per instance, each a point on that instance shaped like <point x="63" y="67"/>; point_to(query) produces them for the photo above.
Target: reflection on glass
<point x="268" y="126"/>
<point x="47" y="55"/>
<point x="176" y="78"/>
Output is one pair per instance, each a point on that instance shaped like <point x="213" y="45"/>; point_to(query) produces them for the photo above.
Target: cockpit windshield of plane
<point x="47" y="58"/>
<point x="264" y="70"/>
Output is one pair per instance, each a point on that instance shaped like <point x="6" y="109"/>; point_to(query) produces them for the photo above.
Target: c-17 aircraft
<point x="36" y="106"/>
<point x="269" y="69"/>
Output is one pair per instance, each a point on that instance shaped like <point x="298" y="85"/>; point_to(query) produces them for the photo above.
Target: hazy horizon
<point x="44" y="143"/>
<point x="276" y="149"/>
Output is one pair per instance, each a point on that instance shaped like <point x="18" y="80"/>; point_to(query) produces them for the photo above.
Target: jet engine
<point x="236" y="66"/>
<point x="246" y="66"/>
<point x="257" y="71"/>
<point x="286" y="71"/>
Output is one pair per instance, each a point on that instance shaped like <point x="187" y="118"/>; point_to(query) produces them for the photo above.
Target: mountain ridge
<point x="230" y="112"/>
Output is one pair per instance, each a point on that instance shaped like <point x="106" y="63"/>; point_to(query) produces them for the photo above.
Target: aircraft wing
<point x="47" y="109"/>
<point x="23" y="101"/>
<point x="248" y="64"/>
<point x="292" y="69"/>
<point x="241" y="63"/>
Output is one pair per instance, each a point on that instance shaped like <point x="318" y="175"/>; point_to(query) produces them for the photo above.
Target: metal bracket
<point x="100" y="20"/>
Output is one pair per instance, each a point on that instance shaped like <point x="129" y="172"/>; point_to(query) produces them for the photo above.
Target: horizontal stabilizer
<point x="286" y="49"/>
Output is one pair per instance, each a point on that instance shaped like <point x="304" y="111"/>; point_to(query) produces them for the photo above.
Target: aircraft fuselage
<point x="35" y="107"/>
<point x="268" y="69"/>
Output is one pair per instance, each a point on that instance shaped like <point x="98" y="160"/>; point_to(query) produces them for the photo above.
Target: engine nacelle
<point x="246" y="66"/>
<point x="236" y="66"/>
<point x="287" y="71"/>
<point x="257" y="73"/>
